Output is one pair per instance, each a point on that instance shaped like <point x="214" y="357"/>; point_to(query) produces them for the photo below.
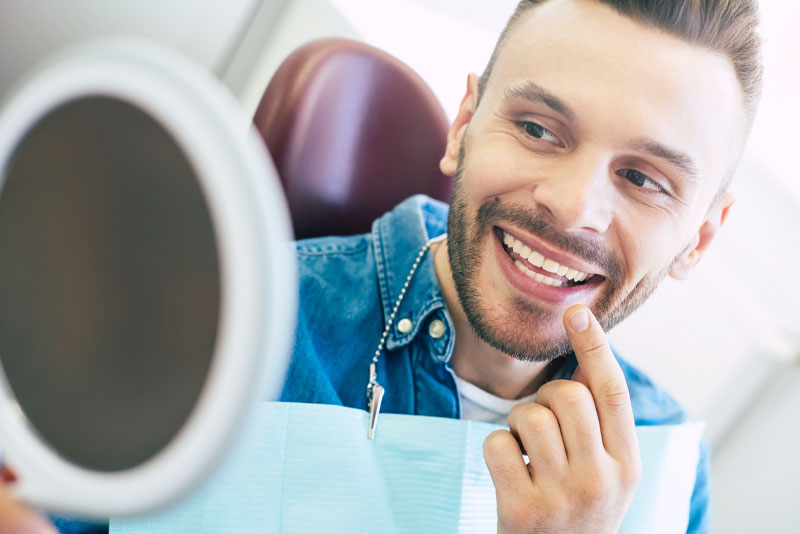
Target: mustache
<point x="494" y="211"/>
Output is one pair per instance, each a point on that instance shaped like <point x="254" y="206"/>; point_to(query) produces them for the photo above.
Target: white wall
<point x="206" y="31"/>
<point x="300" y="22"/>
<point x="756" y="470"/>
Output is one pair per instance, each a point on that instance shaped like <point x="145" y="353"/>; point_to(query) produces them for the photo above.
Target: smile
<point x="539" y="267"/>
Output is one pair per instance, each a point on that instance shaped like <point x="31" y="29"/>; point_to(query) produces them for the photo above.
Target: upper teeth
<point x="538" y="260"/>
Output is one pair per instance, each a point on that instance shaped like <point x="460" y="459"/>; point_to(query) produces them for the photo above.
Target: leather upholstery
<point x="352" y="131"/>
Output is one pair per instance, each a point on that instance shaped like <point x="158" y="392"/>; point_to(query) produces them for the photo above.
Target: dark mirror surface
<point x="109" y="283"/>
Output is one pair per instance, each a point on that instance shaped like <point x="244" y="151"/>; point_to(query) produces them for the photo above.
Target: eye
<point x="537" y="131"/>
<point x="641" y="180"/>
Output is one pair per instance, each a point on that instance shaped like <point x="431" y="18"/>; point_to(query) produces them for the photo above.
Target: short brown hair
<point x="724" y="26"/>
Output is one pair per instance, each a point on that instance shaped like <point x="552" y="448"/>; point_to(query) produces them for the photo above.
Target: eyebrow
<point x="680" y="160"/>
<point x="534" y="93"/>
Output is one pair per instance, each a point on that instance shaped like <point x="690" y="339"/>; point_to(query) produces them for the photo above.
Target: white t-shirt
<point x="480" y="405"/>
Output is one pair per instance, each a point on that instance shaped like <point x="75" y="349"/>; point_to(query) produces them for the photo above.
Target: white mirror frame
<point x="258" y="279"/>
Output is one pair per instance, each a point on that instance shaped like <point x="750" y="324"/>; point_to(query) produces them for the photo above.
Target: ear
<point x="449" y="162"/>
<point x="683" y="265"/>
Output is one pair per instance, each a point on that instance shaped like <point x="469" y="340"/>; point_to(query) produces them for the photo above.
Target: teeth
<point x="535" y="258"/>
<point x="539" y="277"/>
<point x="538" y="260"/>
<point x="550" y="266"/>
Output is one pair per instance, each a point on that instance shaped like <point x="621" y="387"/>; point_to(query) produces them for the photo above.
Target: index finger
<point x="605" y="380"/>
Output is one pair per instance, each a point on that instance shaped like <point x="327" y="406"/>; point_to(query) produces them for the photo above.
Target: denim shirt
<point x="348" y="288"/>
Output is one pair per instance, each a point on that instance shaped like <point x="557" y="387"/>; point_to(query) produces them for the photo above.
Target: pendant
<point x="375" y="393"/>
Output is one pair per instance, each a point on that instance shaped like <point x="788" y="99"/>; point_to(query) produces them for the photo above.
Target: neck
<point x="473" y="359"/>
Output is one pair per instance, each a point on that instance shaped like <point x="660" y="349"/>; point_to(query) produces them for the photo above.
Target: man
<point x="591" y="159"/>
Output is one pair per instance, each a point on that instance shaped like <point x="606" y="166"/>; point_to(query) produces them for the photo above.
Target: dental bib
<point x="303" y="468"/>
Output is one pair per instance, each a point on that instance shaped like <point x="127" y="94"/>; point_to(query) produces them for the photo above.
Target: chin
<point x="522" y="332"/>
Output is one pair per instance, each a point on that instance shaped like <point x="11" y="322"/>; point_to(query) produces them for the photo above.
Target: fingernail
<point x="579" y="320"/>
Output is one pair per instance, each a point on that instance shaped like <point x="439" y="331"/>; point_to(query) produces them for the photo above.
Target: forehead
<point x="623" y="80"/>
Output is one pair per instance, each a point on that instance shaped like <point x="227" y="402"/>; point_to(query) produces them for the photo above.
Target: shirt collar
<point x="397" y="239"/>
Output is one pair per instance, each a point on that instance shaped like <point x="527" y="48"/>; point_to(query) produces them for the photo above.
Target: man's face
<point x="596" y="151"/>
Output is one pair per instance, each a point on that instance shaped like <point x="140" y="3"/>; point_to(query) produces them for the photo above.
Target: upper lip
<point x="548" y="250"/>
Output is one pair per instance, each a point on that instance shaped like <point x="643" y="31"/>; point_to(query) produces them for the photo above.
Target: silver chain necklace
<point x="375" y="391"/>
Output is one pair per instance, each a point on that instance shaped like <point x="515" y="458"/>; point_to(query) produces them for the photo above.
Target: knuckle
<point x="519" y="410"/>
<point x="594" y="348"/>
<point x="517" y="515"/>
<point x="614" y="393"/>
<point x="544" y="389"/>
<point x="548" y="390"/>
<point x="538" y="420"/>
<point x="496" y="444"/>
<point x="594" y="494"/>
<point x="573" y="394"/>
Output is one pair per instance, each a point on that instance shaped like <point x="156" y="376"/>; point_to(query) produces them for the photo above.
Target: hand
<point x="580" y="439"/>
<point x="15" y="518"/>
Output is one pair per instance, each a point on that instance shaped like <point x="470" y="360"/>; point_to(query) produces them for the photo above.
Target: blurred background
<point x="726" y="343"/>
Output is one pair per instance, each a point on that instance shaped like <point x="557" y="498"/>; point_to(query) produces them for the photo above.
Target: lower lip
<point x="525" y="284"/>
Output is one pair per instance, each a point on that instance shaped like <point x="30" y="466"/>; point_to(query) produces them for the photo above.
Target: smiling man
<point x="591" y="159"/>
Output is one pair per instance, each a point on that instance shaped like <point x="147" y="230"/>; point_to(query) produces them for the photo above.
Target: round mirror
<point x="109" y="283"/>
<point x="146" y="285"/>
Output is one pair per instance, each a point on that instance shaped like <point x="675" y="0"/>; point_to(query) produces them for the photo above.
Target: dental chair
<point x="352" y="131"/>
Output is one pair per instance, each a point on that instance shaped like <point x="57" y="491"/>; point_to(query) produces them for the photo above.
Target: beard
<point x="515" y="328"/>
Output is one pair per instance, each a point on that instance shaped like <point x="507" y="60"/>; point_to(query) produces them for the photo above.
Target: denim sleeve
<point x="700" y="506"/>
<point x="70" y="526"/>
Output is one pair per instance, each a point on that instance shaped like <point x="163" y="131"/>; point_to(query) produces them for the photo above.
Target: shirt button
<point x="405" y="326"/>
<point x="436" y="329"/>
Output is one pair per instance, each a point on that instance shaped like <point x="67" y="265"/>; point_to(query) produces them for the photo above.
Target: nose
<point x="577" y="193"/>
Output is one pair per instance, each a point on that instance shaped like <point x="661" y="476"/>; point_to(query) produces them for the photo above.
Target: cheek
<point x="648" y="247"/>
<point x="494" y="167"/>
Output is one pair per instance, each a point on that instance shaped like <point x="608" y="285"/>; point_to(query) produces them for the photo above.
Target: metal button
<point x="436" y="329"/>
<point x="405" y="326"/>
